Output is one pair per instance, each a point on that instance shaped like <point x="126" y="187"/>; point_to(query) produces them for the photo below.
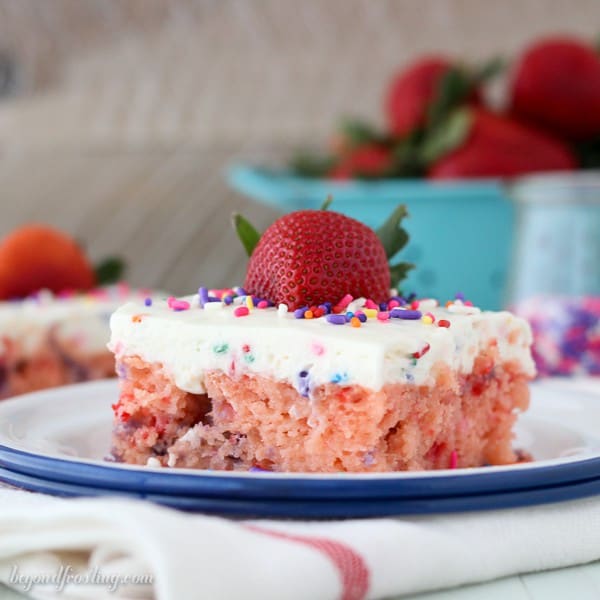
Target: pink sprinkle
<point x="345" y="301"/>
<point x="383" y="315"/>
<point x="453" y="459"/>
<point x="393" y="304"/>
<point x="241" y="311"/>
<point x="468" y="303"/>
<point x="262" y="304"/>
<point x="422" y="352"/>
<point x="414" y="304"/>
<point x="318" y="349"/>
<point x="370" y="304"/>
<point x="175" y="304"/>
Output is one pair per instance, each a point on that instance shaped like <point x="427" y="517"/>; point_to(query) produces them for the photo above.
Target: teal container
<point x="460" y="232"/>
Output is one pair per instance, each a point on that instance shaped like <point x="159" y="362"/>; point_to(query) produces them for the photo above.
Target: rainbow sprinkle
<point x="428" y="318"/>
<point x="405" y="313"/>
<point x="336" y="319"/>
<point x="177" y="305"/>
<point x="453" y="459"/>
<point x="422" y="352"/>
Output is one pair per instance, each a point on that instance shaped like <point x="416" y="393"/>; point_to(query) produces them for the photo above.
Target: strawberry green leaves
<point x="453" y="89"/>
<point x="394" y="237"/>
<point x="110" y="270"/>
<point x="398" y="273"/>
<point x="488" y="70"/>
<point x="457" y="86"/>
<point x="428" y="107"/>
<point x="391" y="234"/>
<point x="355" y="132"/>
<point x="446" y="135"/>
<point x="246" y="232"/>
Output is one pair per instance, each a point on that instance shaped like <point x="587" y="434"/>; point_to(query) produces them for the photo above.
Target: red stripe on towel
<point x="351" y="566"/>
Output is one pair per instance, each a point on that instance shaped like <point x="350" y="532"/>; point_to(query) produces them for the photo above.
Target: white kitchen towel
<point x="174" y="555"/>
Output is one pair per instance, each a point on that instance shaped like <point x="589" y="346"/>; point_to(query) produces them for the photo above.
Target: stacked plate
<point x="56" y="442"/>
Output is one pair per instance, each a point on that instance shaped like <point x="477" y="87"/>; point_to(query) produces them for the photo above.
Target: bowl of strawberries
<point x="452" y="159"/>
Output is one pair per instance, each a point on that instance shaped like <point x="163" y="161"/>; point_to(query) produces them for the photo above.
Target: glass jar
<point x="555" y="275"/>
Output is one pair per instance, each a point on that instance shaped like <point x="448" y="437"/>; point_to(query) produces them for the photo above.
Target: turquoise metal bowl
<point x="461" y="232"/>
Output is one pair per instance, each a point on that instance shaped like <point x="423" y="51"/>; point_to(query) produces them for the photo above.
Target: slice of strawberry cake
<point x="53" y="311"/>
<point x="47" y="339"/>
<point x="315" y="366"/>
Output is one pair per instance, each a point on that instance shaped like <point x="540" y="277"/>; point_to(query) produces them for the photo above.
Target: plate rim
<point x="321" y="508"/>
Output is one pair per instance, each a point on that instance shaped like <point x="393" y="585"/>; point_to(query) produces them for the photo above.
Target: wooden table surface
<point x="167" y="213"/>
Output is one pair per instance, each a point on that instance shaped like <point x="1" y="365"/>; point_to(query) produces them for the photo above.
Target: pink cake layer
<point x="253" y="421"/>
<point x="51" y="364"/>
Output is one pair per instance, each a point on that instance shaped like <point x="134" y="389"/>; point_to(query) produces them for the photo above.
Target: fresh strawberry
<point x="310" y="257"/>
<point x="497" y="146"/>
<point x="364" y="161"/>
<point x="413" y="92"/>
<point x="35" y="257"/>
<point x="557" y="85"/>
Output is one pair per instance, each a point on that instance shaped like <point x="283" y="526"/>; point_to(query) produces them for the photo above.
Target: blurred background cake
<point x="135" y="126"/>
<point x="54" y="311"/>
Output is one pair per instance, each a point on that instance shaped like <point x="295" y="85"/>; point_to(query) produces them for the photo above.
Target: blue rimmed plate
<point x="62" y="436"/>
<point x="319" y="508"/>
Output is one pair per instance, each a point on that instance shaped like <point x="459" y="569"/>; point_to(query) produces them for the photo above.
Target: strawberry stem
<point x="327" y="202"/>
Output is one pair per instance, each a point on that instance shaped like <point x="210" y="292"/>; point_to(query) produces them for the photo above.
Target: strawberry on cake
<point x="53" y="314"/>
<point x="315" y="366"/>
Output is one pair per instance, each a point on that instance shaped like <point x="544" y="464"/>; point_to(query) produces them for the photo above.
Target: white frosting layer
<point x="308" y="353"/>
<point x="81" y="321"/>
